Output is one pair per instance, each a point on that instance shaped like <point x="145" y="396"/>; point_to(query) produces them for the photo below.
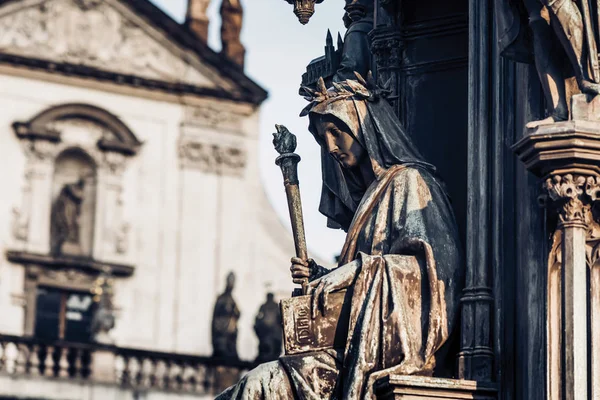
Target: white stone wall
<point x="189" y="226"/>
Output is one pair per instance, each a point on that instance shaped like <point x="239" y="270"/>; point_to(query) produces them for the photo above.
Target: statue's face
<point x="339" y="142"/>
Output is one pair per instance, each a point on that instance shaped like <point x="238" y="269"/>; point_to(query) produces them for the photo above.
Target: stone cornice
<point x="560" y="148"/>
<point x="83" y="264"/>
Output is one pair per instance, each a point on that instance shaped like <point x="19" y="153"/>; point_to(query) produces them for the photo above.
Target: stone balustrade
<point x="177" y="372"/>
<point x="27" y="357"/>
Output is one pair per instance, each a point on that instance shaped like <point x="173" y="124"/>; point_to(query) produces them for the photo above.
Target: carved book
<point x="302" y="333"/>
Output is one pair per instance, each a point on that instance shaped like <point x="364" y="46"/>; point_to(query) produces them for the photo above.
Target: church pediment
<point x="102" y="34"/>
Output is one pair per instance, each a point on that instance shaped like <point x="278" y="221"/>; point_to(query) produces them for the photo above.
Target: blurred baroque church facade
<point x="130" y="196"/>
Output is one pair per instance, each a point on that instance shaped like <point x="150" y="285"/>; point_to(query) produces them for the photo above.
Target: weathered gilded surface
<point x="401" y="263"/>
<point x="302" y="333"/>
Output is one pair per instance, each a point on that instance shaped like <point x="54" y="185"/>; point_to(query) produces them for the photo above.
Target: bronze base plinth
<point x="401" y="387"/>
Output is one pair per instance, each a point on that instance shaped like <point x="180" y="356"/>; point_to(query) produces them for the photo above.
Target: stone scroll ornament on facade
<point x="562" y="150"/>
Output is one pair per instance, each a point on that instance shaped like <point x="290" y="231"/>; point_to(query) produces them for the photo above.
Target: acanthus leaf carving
<point x="567" y="192"/>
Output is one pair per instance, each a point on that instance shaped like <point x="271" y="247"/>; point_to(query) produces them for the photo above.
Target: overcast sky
<point x="278" y="48"/>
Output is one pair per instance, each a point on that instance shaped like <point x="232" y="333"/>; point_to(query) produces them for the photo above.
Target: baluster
<point x="175" y="378"/>
<point x="49" y="362"/>
<point x="209" y="379"/>
<point x="147" y="373"/>
<point x="22" y="359"/>
<point x="74" y="359"/>
<point x="134" y="371"/>
<point x="85" y="360"/>
<point x="63" y="363"/>
<point x="34" y="360"/>
<point x="200" y="378"/>
<point x="11" y="353"/>
<point x="161" y="374"/>
<point x="2" y="356"/>
<point x="120" y="369"/>
<point x="189" y="378"/>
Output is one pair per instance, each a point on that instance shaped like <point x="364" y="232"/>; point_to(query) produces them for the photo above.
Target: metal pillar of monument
<point x="566" y="155"/>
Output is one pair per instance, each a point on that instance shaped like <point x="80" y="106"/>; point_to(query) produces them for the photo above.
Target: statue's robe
<point x="401" y="312"/>
<point x="512" y="23"/>
<point x="65" y="216"/>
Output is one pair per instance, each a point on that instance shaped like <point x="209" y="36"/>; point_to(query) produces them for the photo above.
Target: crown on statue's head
<point x="360" y="89"/>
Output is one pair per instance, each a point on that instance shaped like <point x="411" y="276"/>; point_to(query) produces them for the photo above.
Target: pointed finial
<point x="329" y="39"/>
<point x="340" y="41"/>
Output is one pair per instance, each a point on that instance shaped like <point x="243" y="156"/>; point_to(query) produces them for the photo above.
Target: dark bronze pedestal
<point x="398" y="387"/>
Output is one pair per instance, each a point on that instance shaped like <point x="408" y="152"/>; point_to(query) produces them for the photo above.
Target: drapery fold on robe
<point x="409" y="270"/>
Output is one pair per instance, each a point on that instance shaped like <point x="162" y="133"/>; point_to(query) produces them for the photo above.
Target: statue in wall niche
<point x="560" y="40"/>
<point x="66" y="211"/>
<point x="391" y="304"/>
<point x="224" y="323"/>
<point x="267" y="327"/>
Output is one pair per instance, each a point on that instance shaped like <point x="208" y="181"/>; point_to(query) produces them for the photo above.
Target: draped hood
<point x="373" y="123"/>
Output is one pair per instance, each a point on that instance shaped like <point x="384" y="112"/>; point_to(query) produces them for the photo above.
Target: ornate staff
<point x="285" y="144"/>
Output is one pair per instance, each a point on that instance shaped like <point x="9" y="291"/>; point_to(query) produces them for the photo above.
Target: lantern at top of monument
<point x="304" y="9"/>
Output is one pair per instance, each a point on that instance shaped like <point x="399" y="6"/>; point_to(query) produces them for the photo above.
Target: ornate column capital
<point x="569" y="193"/>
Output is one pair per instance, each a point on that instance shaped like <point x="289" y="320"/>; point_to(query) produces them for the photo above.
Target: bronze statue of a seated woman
<point x="401" y="262"/>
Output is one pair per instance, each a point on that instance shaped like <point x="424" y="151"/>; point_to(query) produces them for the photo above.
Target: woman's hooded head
<point x="374" y="125"/>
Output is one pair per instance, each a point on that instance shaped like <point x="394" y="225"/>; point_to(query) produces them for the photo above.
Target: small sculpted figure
<point x="224" y="324"/>
<point x="356" y="55"/>
<point x="401" y="264"/>
<point x="103" y="320"/>
<point x="267" y="326"/>
<point x="232" y="18"/>
<point x="65" y="217"/>
<point x="560" y="35"/>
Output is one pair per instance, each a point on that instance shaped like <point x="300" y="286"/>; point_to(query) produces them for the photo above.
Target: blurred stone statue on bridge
<point x="267" y="326"/>
<point x="224" y="323"/>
